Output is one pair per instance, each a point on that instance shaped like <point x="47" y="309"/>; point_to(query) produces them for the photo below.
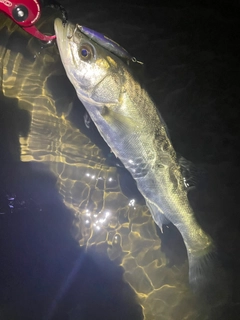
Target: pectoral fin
<point x="122" y="123"/>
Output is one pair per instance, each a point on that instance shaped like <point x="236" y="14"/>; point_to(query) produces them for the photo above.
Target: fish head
<point x="92" y="69"/>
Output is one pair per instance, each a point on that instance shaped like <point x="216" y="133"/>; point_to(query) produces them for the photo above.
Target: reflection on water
<point x="104" y="217"/>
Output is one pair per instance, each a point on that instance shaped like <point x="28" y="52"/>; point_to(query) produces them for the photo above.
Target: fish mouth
<point x="60" y="29"/>
<point x="63" y="31"/>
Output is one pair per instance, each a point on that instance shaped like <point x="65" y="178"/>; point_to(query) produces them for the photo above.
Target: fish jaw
<point x="62" y="33"/>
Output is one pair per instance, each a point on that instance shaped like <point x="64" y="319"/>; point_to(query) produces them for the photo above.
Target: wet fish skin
<point x="130" y="123"/>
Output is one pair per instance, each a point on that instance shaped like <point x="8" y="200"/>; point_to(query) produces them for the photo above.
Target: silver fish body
<point x="130" y="123"/>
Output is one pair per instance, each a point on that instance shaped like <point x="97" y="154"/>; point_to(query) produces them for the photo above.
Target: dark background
<point x="38" y="254"/>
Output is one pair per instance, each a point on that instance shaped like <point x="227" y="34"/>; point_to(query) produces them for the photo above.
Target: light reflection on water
<point x="105" y="217"/>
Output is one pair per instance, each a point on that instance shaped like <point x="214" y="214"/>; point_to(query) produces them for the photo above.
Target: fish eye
<point x="86" y="52"/>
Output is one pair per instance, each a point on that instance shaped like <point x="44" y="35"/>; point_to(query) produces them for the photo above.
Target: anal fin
<point x="157" y="215"/>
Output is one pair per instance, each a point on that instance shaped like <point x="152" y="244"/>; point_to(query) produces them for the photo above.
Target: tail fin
<point x="208" y="278"/>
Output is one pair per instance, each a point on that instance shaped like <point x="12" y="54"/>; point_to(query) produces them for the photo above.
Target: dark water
<point x="191" y="70"/>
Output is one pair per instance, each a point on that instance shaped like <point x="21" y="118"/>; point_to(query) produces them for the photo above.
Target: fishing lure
<point x="107" y="43"/>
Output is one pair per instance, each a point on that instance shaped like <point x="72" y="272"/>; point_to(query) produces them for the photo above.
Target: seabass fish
<point x="129" y="122"/>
